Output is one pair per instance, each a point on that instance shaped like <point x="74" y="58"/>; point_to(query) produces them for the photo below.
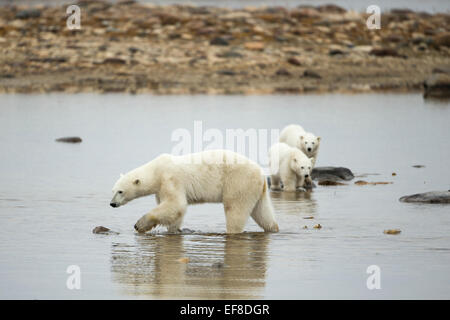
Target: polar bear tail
<point x="263" y="212"/>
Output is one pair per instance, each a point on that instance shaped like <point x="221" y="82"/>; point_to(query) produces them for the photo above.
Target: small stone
<point x="219" y="41"/>
<point x="363" y="183"/>
<point x="69" y="140"/>
<point x="392" y="231"/>
<point x="294" y="61"/>
<point x="100" y="229"/>
<point x="114" y="61"/>
<point x="256" y="46"/>
<point x="394" y="174"/>
<point x="309" y="217"/>
<point x="384" y="52"/>
<point x="27" y="14"/>
<point x="283" y="72"/>
<point x="311" y="74"/>
<point x="418" y="166"/>
<point x="318" y="226"/>
<point x="226" y="72"/>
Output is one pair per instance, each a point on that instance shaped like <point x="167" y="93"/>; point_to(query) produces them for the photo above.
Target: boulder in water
<point x="428" y="197"/>
<point x="332" y="174"/>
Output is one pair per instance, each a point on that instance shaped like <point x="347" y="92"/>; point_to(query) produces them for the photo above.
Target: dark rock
<point x="102" y="230"/>
<point x="418" y="166"/>
<point x="226" y="72"/>
<point x="69" y="139"/>
<point x="219" y="41"/>
<point x="401" y="11"/>
<point x="428" y="197"/>
<point x="330" y="183"/>
<point x="114" y="61"/>
<point x="385" y="52"/>
<point x="294" y="61"/>
<point x="332" y="174"/>
<point x="311" y="74"/>
<point x="230" y="54"/>
<point x="133" y="50"/>
<point x="334" y="52"/>
<point x="437" y="86"/>
<point x="283" y="72"/>
<point x="29" y="13"/>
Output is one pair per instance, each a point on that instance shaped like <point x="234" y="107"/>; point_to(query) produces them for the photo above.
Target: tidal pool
<point x="52" y="195"/>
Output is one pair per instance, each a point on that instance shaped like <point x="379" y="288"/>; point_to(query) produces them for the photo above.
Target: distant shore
<point x="138" y="48"/>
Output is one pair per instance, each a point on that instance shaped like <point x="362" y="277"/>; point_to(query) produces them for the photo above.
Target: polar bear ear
<point x="137" y="182"/>
<point x="318" y="139"/>
<point x="302" y="137"/>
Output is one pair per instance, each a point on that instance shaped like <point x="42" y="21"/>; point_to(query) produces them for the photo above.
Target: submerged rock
<point x="330" y="183"/>
<point x="69" y="140"/>
<point x="364" y="183"/>
<point x="428" y="197"/>
<point x="332" y="174"/>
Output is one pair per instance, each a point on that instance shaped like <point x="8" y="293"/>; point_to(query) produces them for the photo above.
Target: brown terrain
<point x="136" y="48"/>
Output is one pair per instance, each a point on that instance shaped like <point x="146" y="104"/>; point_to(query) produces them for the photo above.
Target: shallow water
<point x="52" y="195"/>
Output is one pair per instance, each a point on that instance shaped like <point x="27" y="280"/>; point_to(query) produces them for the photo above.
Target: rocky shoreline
<point x="138" y="48"/>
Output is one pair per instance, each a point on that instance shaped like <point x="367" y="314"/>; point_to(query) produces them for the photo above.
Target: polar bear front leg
<point x="168" y="213"/>
<point x="289" y="184"/>
<point x="275" y="183"/>
<point x="300" y="182"/>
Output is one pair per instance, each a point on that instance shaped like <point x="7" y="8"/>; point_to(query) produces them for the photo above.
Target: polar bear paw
<point x="145" y="223"/>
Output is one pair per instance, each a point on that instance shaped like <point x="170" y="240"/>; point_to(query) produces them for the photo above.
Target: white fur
<point x="290" y="166"/>
<point x="209" y="176"/>
<point x="295" y="136"/>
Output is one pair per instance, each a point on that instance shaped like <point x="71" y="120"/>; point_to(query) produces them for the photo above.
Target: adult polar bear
<point x="209" y="176"/>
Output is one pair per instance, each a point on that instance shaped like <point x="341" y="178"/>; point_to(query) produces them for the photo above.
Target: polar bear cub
<point x="290" y="166"/>
<point x="209" y="176"/>
<point x="295" y="136"/>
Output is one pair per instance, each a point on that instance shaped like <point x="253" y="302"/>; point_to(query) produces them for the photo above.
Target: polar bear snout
<point x="113" y="204"/>
<point x="309" y="149"/>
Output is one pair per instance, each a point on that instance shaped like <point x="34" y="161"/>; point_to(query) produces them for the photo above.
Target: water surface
<point x="52" y="195"/>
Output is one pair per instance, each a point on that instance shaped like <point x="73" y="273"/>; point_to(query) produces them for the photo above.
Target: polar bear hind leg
<point x="263" y="212"/>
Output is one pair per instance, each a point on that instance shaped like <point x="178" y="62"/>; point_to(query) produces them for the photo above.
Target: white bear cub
<point x="289" y="166"/>
<point x="295" y="136"/>
<point x="211" y="176"/>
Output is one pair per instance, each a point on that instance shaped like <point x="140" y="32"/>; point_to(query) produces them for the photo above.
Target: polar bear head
<point x="309" y="144"/>
<point x="301" y="164"/>
<point x="127" y="188"/>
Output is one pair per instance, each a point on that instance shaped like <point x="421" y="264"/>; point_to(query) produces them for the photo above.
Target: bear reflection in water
<point x="195" y="266"/>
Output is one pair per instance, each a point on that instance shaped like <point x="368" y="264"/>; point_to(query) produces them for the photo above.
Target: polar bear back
<point x="205" y="175"/>
<point x="291" y="135"/>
